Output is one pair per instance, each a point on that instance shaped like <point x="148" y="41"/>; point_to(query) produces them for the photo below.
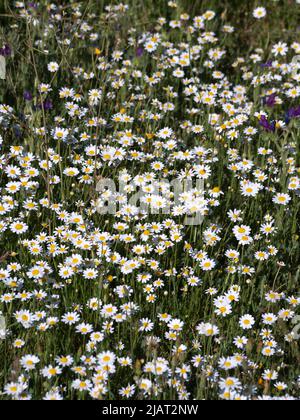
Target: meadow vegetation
<point x="139" y="304"/>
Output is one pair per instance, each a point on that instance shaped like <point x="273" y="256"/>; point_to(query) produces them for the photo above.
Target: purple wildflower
<point x="271" y="100"/>
<point x="267" y="125"/>
<point x="46" y="105"/>
<point x="27" y="96"/>
<point x="139" y="52"/>
<point x="294" y="112"/>
<point x="268" y="64"/>
<point x="5" y="51"/>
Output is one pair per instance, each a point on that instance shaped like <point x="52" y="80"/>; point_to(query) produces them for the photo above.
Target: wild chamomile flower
<point x="246" y="322"/>
<point x="29" y="362"/>
<point x="260" y="13"/>
<point x="282" y="199"/>
<point x="53" y="67"/>
<point x="19" y="227"/>
<point x="280" y="49"/>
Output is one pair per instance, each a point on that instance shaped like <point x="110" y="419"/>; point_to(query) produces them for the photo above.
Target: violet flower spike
<point x="267" y="125"/>
<point x="139" y="51"/>
<point x="28" y="96"/>
<point x="5" y="51"/>
<point x="271" y="100"/>
<point x="268" y="64"/>
<point x="294" y="112"/>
